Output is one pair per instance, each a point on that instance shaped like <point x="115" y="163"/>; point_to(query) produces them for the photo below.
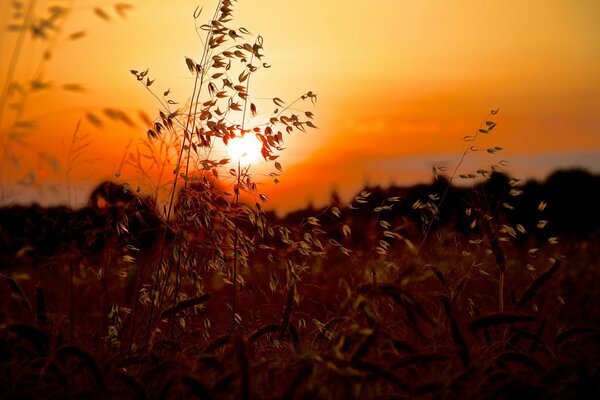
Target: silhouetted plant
<point x="220" y="109"/>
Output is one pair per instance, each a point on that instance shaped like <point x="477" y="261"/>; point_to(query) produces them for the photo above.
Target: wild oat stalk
<point x="486" y="126"/>
<point x="214" y="114"/>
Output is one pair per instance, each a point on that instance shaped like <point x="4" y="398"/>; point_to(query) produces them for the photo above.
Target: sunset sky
<point x="399" y="84"/>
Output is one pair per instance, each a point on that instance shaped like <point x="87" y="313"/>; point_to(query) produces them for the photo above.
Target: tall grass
<point x="220" y="109"/>
<point x="210" y="297"/>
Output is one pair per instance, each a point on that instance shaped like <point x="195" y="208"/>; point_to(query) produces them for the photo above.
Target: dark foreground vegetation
<point x="492" y="295"/>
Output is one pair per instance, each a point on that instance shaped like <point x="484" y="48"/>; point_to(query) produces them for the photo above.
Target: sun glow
<point x="246" y="150"/>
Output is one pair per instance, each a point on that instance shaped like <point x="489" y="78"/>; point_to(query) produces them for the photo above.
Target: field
<point x="177" y="281"/>
<point x="470" y="316"/>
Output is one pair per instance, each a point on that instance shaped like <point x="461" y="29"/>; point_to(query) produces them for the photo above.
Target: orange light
<point x="246" y="150"/>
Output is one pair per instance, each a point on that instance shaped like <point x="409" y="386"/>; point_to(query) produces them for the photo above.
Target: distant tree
<point x="572" y="196"/>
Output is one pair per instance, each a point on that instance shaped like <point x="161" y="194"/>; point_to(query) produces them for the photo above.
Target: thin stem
<point x="204" y="62"/>
<point x="235" y="255"/>
<point x="501" y="292"/>
<point x="449" y="185"/>
<point x="199" y="76"/>
<point x="163" y="247"/>
<point x="37" y="76"/>
<point x="14" y="60"/>
<point x="237" y="201"/>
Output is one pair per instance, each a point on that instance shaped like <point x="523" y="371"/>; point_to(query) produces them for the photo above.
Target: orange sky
<point x="400" y="82"/>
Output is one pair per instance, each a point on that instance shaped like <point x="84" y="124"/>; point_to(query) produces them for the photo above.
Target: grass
<point x="326" y="327"/>
<point x="436" y="292"/>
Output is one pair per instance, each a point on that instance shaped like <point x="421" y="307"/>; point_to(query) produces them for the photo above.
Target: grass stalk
<point x="198" y="83"/>
<point x="14" y="59"/>
<point x="235" y="256"/>
<point x="10" y="74"/>
<point x="468" y="148"/>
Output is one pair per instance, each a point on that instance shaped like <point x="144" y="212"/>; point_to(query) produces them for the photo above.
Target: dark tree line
<point x="566" y="204"/>
<point x="116" y="215"/>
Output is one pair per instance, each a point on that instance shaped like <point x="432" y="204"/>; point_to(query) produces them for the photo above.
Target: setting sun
<point x="245" y="149"/>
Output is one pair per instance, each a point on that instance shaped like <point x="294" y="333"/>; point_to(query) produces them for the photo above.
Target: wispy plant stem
<point x="10" y="75"/>
<point x="237" y="201"/>
<point x="235" y="254"/>
<point x="14" y="58"/>
<point x="198" y="82"/>
<point x="450" y="180"/>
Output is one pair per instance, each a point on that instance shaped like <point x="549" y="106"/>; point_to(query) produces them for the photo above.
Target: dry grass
<point x="209" y="297"/>
<point x="320" y="326"/>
